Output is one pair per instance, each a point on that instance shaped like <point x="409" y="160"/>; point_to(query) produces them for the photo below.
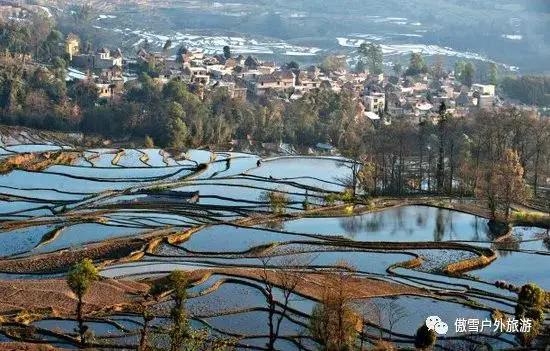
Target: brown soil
<point x="60" y="261"/>
<point x="55" y="294"/>
<point x="313" y="284"/>
<point x="37" y="161"/>
<point x="24" y="346"/>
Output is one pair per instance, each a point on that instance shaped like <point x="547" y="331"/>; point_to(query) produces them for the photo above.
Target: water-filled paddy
<point x="405" y="224"/>
<point x="22" y="240"/>
<point x="517" y="268"/>
<point x="226" y="238"/>
<point x="232" y="187"/>
<point x="326" y="173"/>
<point x="415" y="310"/>
<point x="80" y="234"/>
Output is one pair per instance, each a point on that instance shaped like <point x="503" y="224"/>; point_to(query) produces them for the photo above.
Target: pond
<point x="228" y="297"/>
<point x="402" y="224"/>
<point x="32" y="148"/>
<point x="323" y="172"/>
<point x="252" y="323"/>
<point x="517" y="268"/>
<point x="78" y="234"/>
<point x="119" y="174"/>
<point x="71" y="326"/>
<point x="407" y="313"/>
<point x="25" y="180"/>
<point x="227" y="238"/>
<point x="22" y="240"/>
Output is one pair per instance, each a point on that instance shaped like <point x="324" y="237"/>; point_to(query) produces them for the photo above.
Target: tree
<point x="149" y="143"/>
<point x="178" y="282"/>
<point x="360" y="67"/>
<point x="511" y="183"/>
<point x="182" y="50"/>
<point x="416" y="65"/>
<point x="541" y="132"/>
<point x="334" y="324"/>
<point x="438" y="68"/>
<point x="167" y="45"/>
<point x="176" y="129"/>
<point x="459" y="67"/>
<point x="80" y="279"/>
<point x="502" y="183"/>
<point x="283" y="273"/>
<point x="529" y="89"/>
<point x="425" y="338"/>
<point x="227" y="52"/>
<point x="83" y="14"/>
<point x="467" y="74"/>
<point x="493" y="74"/>
<point x="442" y="137"/>
<point x="397" y="69"/>
<point x="152" y="295"/>
<point x="372" y="53"/>
<point x="333" y="63"/>
<point x="292" y="66"/>
<point x="531" y="305"/>
<point x="277" y="201"/>
<point x="85" y="94"/>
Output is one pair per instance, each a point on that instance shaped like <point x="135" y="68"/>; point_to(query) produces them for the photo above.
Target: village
<point x="381" y="95"/>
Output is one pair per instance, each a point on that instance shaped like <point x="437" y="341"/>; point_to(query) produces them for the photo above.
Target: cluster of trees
<point x="493" y="154"/>
<point x="371" y="58"/>
<point x="173" y="115"/>
<point x="531" y="90"/>
<point x="33" y="89"/>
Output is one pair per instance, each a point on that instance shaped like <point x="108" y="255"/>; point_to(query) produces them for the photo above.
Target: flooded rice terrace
<point x="141" y="213"/>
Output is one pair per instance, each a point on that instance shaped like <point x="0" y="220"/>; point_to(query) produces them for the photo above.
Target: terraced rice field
<point x="112" y="204"/>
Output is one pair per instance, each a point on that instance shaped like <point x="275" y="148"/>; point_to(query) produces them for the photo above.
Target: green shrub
<point x="330" y="199"/>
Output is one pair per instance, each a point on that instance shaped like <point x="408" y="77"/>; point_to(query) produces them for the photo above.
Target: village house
<point x="235" y="89"/>
<point x="102" y="59"/>
<point x="374" y="102"/>
<point x="277" y="81"/>
<point x="219" y="71"/>
<point x="198" y="75"/>
<point x="307" y="82"/>
<point x="484" y="89"/>
<point x="72" y="46"/>
<point x="104" y="90"/>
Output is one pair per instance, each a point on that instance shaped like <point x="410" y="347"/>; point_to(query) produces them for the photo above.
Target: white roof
<point x="424" y="106"/>
<point x="373" y="116"/>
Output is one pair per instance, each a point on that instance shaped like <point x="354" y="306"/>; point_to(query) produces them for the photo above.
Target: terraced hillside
<point x="141" y="213"/>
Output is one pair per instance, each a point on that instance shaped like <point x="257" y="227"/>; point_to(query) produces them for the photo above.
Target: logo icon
<point x="436" y="324"/>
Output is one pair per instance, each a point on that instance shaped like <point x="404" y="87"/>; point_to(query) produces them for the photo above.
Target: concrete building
<point x="484" y="89"/>
<point x="375" y="102"/>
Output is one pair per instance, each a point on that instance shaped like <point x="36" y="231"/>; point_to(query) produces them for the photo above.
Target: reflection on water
<point x="407" y="223"/>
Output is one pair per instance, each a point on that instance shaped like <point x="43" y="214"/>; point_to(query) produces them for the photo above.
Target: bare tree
<point x="334" y="323"/>
<point x="284" y="272"/>
<point x="386" y="312"/>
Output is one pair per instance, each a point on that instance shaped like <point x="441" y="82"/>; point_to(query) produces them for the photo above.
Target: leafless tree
<point x="284" y="272"/>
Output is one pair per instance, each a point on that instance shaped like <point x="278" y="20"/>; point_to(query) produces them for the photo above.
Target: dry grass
<point x="144" y="158"/>
<point x="62" y="260"/>
<point x="468" y="265"/>
<point x="313" y="285"/>
<point x="54" y="295"/>
<point x="37" y="161"/>
<point x="15" y="162"/>
<point x="117" y="158"/>
<point x="24" y="346"/>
